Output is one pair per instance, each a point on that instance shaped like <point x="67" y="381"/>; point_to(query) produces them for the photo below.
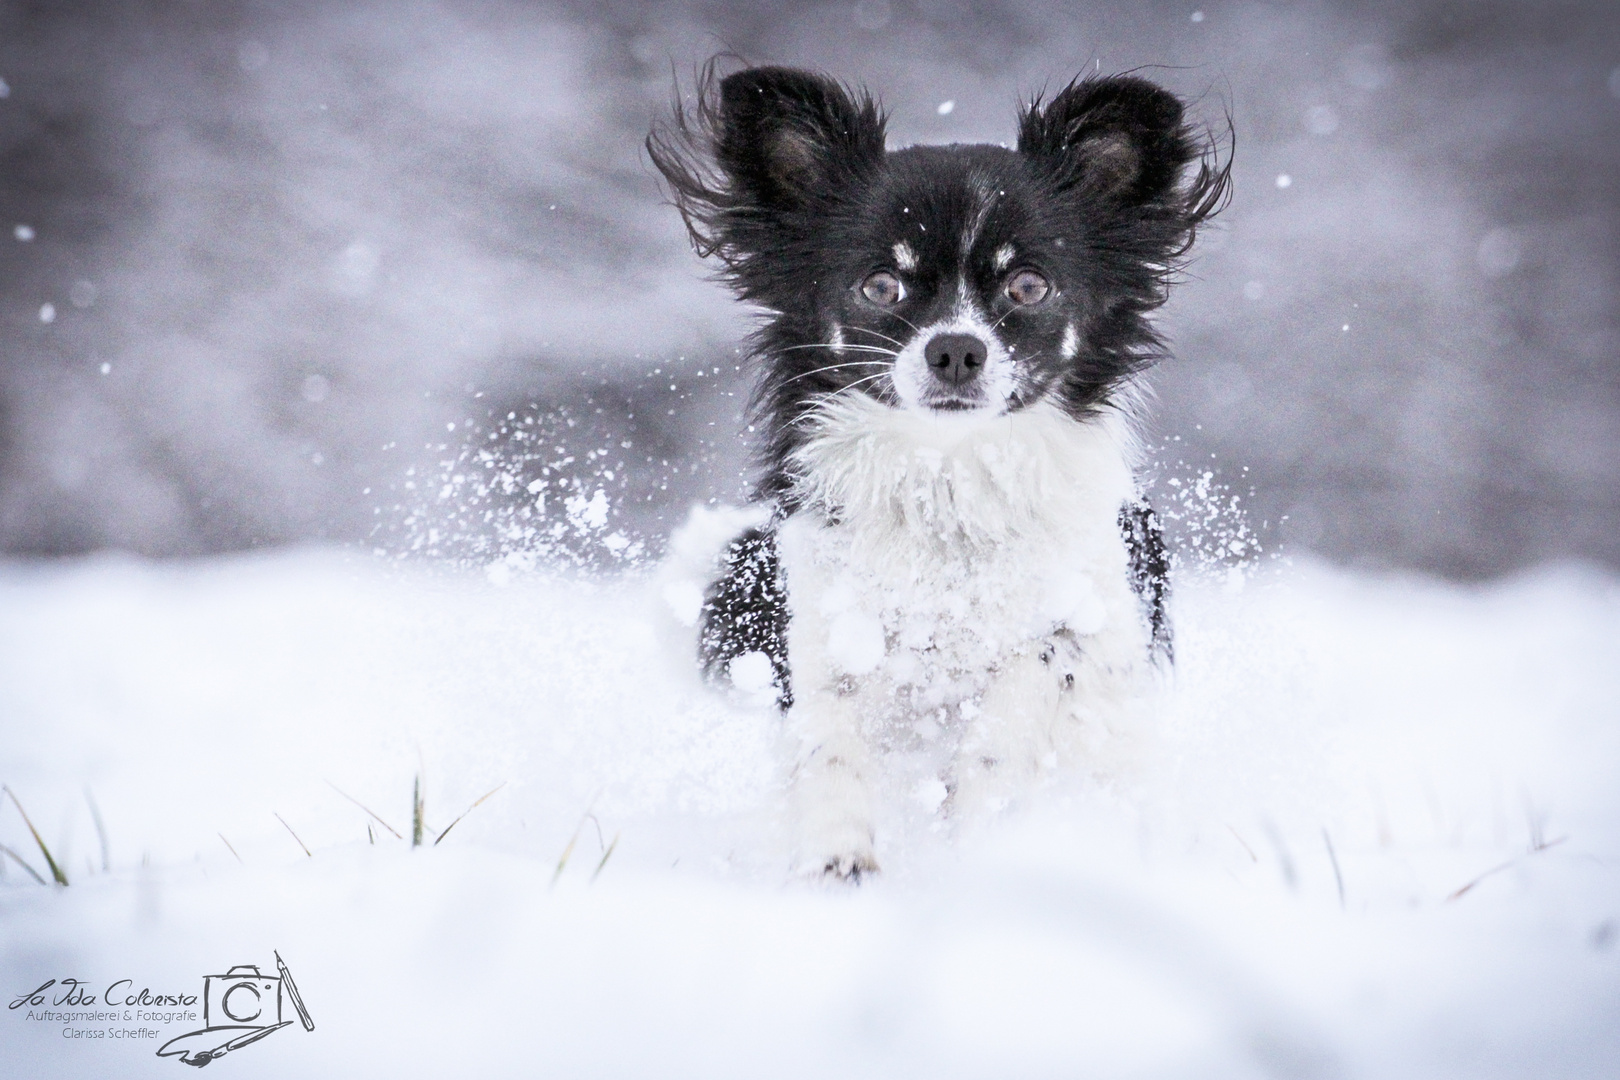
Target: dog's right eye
<point x="883" y="289"/>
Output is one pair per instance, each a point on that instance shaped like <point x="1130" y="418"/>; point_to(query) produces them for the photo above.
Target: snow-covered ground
<point x="1375" y="834"/>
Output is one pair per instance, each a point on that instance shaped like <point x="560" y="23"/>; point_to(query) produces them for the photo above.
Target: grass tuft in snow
<point x="418" y="808"/>
<point x="290" y="833"/>
<point x="20" y="861"/>
<point x="606" y="855"/>
<point x="1536" y="847"/>
<point x="56" y="871"/>
<point x="562" y="862"/>
<point x="467" y="811"/>
<point x="607" y="849"/>
<point x="368" y="810"/>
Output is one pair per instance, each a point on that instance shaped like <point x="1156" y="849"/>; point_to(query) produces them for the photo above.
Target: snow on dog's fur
<point x="951" y="559"/>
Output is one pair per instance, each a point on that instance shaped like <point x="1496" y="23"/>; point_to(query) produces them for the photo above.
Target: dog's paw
<point x="837" y="854"/>
<point x="850" y="867"/>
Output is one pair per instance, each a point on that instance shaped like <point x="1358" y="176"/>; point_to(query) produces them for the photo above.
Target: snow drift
<point x="1375" y="836"/>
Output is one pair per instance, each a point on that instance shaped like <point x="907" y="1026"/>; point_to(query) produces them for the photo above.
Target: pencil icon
<point x="292" y="992"/>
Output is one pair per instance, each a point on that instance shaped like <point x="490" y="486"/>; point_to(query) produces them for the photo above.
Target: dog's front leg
<point x="831" y="792"/>
<point x="830" y="787"/>
<point x="1010" y="739"/>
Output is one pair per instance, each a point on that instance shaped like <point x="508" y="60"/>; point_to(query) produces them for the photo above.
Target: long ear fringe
<point x="682" y="149"/>
<point x="1192" y="200"/>
<point x="1210" y="189"/>
<point x="685" y="150"/>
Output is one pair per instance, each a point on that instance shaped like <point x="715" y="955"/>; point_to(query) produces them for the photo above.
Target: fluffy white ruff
<point x="911" y="485"/>
<point x="959" y="593"/>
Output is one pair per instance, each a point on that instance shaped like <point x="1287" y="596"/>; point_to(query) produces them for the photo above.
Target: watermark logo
<point x="237" y="1009"/>
<point x="240" y="1007"/>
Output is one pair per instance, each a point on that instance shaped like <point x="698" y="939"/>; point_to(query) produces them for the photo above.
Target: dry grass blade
<point x="572" y="840"/>
<point x="232" y="850"/>
<point x="562" y="862"/>
<point x="606" y="855"/>
<point x="467" y="811"/>
<point x="1285" y="858"/>
<point x="1493" y="871"/>
<point x="417" y="810"/>
<point x="56" y="871"/>
<point x="20" y="861"/>
<point x="290" y="832"/>
<point x="1252" y="856"/>
<point x="366" y="808"/>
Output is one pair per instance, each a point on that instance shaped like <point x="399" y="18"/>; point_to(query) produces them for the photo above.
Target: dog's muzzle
<point x="955" y="359"/>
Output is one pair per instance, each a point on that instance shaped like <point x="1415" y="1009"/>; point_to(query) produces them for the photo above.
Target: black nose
<point x="955" y="358"/>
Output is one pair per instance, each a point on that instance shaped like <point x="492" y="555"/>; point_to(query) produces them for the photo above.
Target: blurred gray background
<point x="273" y="272"/>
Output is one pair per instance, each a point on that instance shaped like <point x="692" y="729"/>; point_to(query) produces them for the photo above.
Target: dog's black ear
<point x="788" y="138"/>
<point x="1119" y="137"/>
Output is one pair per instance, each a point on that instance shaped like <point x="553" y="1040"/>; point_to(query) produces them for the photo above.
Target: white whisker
<point x="831" y="345"/>
<point x="874" y="333"/>
<point x="1003" y="318"/>
<point x="907" y="321"/>
<point x="853" y="385"/>
<point x="832" y="367"/>
<point x="816" y="406"/>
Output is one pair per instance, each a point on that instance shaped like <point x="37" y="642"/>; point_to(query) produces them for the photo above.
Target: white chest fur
<point x="934" y="546"/>
<point x="967" y="572"/>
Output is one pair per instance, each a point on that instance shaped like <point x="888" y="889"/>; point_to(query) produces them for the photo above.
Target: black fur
<point x="746" y="611"/>
<point x="1150" y="571"/>
<point x="783" y="175"/>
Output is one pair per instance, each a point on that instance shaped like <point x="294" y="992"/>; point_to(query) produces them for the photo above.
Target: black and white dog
<point x="950" y="551"/>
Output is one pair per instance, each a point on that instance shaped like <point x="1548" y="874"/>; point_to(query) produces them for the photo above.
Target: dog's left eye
<point x="883" y="289"/>
<point x="1027" y="287"/>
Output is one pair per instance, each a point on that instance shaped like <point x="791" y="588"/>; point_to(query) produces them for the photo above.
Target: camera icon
<point x="243" y="995"/>
<point x="240" y="1007"/>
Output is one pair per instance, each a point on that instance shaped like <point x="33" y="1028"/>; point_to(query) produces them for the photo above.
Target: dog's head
<point x="941" y="278"/>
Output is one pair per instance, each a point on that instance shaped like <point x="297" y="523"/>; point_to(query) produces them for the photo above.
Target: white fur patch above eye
<point x="1004" y="256"/>
<point x="1071" y="342"/>
<point x="904" y="257"/>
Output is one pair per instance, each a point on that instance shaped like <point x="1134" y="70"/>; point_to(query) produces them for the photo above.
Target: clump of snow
<point x="1376" y="836"/>
<point x="1071" y="600"/>
<point x="684" y="598"/>
<point x="751" y="673"/>
<point x="855" y="642"/>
